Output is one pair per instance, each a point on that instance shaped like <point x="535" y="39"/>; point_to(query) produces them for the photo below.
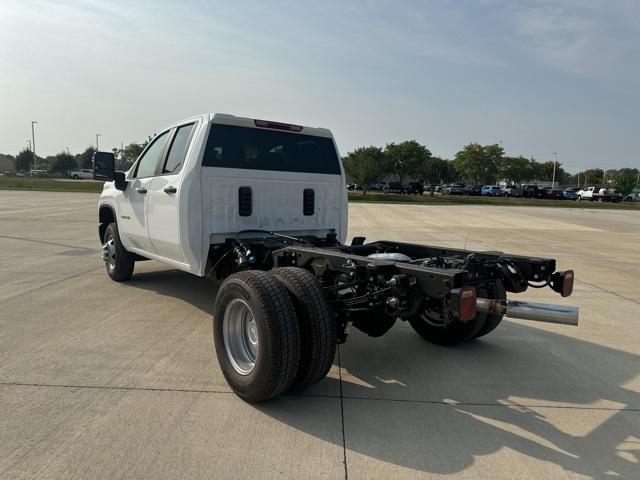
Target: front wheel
<point x="118" y="261"/>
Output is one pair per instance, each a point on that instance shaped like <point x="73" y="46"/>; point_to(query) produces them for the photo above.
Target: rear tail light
<point x="562" y="282"/>
<point x="464" y="299"/>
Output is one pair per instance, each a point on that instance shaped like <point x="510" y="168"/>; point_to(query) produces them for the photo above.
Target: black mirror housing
<point x="104" y="166"/>
<point x="119" y="180"/>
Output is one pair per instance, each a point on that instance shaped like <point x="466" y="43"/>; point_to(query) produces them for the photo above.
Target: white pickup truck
<point x="83" y="173"/>
<point x="261" y="206"/>
<point x="599" y="194"/>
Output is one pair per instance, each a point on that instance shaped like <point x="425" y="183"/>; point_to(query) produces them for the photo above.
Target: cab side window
<point x="147" y="164"/>
<point x="178" y="150"/>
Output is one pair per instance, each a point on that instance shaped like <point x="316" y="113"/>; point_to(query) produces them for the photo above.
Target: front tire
<point x="318" y="332"/>
<point x="256" y="335"/>
<point x="118" y="261"/>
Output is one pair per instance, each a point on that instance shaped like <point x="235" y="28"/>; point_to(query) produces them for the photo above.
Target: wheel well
<point x="105" y="217"/>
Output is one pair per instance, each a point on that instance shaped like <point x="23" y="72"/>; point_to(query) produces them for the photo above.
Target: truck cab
<point x="203" y="179"/>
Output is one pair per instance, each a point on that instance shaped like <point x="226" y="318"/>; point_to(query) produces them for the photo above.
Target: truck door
<point x="133" y="224"/>
<point x="163" y="196"/>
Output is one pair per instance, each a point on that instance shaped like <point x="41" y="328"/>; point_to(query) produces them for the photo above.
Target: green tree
<point x="544" y="171"/>
<point x="517" y="169"/>
<point x="406" y="159"/>
<point x="625" y="180"/>
<point x="85" y="159"/>
<point x="435" y="170"/>
<point x="24" y="160"/>
<point x="480" y="163"/>
<point x="63" y="163"/>
<point x="129" y="154"/>
<point x="365" y="165"/>
<point x="593" y="176"/>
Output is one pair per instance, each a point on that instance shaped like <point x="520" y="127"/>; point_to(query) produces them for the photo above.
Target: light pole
<point x="97" y="135"/>
<point x="553" y="181"/>
<point x="33" y="144"/>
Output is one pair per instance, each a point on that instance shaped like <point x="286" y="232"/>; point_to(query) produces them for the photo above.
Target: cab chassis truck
<point x="261" y="207"/>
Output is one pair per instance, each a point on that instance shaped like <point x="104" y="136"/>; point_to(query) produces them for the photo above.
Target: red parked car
<point x="552" y="193"/>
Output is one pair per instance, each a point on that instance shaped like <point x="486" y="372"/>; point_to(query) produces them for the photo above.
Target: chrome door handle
<point x="170" y="190"/>
<point x="141" y="190"/>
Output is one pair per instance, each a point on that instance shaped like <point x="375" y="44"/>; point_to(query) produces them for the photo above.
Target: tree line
<point x="475" y="163"/>
<point x="408" y="160"/>
<point x="64" y="162"/>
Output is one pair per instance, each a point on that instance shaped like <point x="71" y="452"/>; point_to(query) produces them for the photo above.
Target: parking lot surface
<point x="106" y="380"/>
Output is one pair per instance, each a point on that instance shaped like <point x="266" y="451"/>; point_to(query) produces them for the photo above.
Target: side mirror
<point x="104" y="166"/>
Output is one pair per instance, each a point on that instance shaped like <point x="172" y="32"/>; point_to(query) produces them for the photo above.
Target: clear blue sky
<point x="541" y="76"/>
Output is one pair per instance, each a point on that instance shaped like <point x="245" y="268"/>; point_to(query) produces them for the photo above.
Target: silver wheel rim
<point x="240" y="334"/>
<point x="109" y="252"/>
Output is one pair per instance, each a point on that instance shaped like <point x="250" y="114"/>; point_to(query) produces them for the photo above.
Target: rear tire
<point x="118" y="261"/>
<point x="256" y="300"/>
<point x="316" y="322"/>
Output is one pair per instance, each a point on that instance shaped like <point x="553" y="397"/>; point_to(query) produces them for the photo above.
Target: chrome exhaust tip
<point x="541" y="312"/>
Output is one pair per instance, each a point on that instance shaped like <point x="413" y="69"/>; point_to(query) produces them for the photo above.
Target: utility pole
<point x="553" y="182"/>
<point x="97" y="135"/>
<point x="33" y="144"/>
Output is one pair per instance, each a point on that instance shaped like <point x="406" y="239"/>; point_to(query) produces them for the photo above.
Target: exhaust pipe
<point x="541" y="312"/>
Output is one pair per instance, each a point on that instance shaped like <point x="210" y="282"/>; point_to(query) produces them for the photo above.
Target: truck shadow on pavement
<point x="520" y="392"/>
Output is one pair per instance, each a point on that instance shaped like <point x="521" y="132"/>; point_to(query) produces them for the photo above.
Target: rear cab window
<point x="231" y="146"/>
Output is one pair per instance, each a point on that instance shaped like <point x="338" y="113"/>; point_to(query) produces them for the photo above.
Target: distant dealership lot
<point x="88" y="186"/>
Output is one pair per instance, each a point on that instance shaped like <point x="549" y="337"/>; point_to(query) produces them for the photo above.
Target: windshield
<point x="261" y="149"/>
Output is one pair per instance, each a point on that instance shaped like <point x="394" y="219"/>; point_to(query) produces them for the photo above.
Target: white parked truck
<point x="599" y="194"/>
<point x="261" y="207"/>
<point x="83" y="173"/>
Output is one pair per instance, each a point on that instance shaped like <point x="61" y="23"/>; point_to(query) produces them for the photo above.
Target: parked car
<point x="455" y="189"/>
<point x="416" y="188"/>
<point x="531" y="191"/>
<point x="491" y="191"/>
<point x="393" y="187"/>
<point x="473" y="190"/>
<point x="570" y="193"/>
<point x="550" y="193"/>
<point x="84" y="173"/>
<point x="512" y="191"/>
